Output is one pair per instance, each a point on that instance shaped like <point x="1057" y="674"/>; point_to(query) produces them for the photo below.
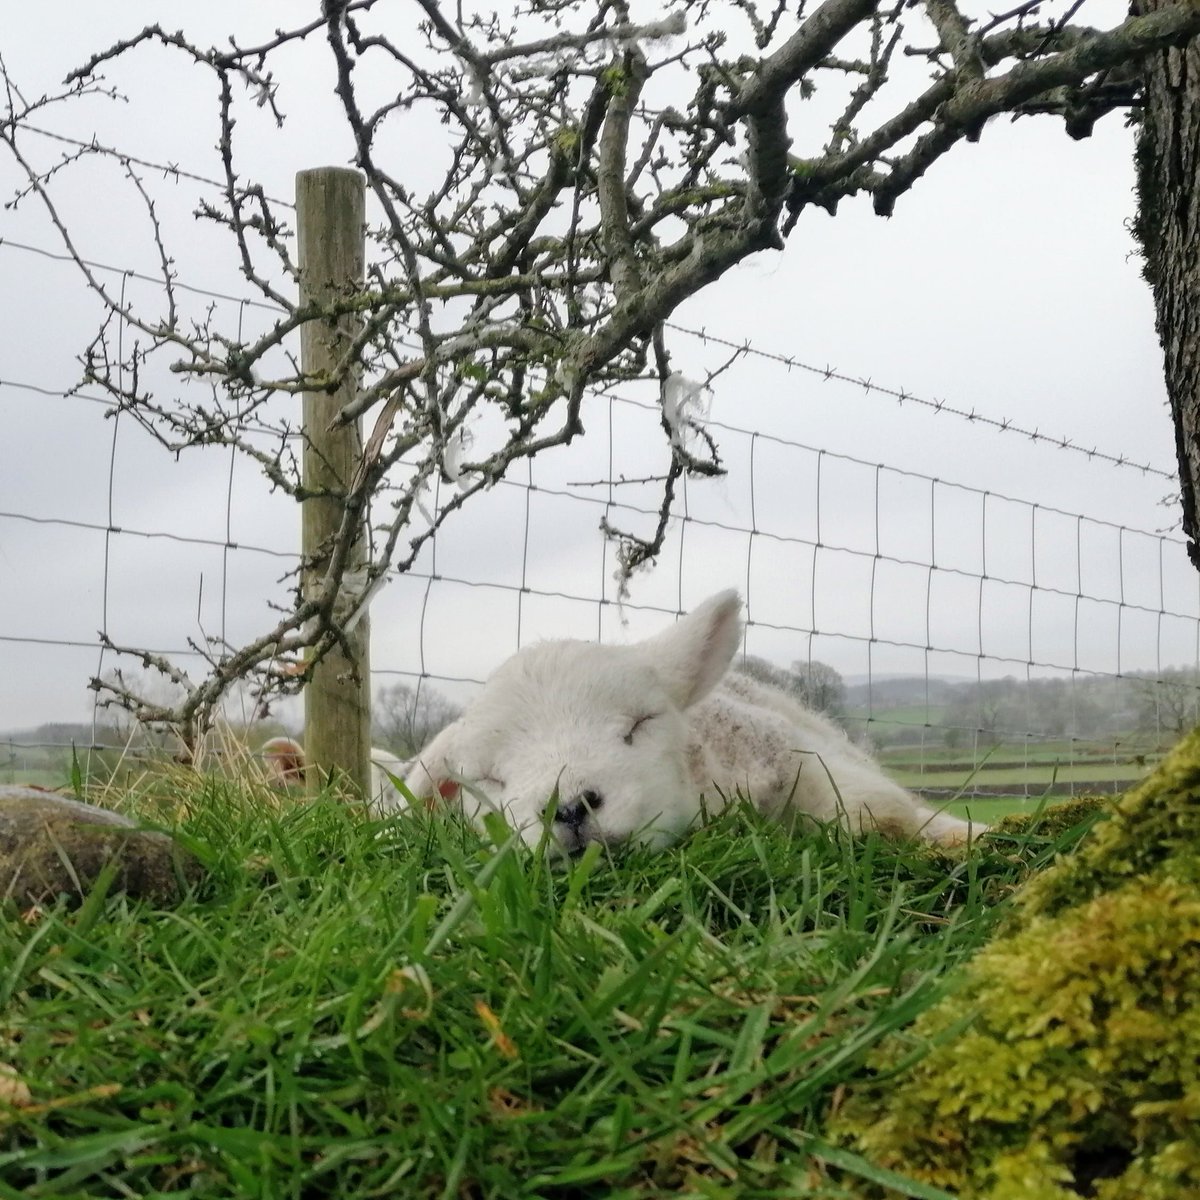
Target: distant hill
<point x="58" y="733"/>
<point x="897" y="690"/>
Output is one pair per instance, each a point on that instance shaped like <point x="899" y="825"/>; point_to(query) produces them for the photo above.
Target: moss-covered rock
<point x="51" y="846"/>
<point x="1068" y="1061"/>
<point x="1055" y="820"/>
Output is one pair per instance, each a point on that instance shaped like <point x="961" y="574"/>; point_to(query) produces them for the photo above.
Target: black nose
<point x="574" y="814"/>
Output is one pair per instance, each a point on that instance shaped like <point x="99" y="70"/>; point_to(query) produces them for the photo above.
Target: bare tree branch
<point x="595" y="172"/>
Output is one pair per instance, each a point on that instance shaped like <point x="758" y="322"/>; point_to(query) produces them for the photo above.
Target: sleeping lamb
<point x="614" y="744"/>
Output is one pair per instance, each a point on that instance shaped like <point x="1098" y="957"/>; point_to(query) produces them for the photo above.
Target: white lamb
<point x="636" y="742"/>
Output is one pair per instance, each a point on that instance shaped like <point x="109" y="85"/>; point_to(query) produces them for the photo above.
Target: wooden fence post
<point x="331" y="213"/>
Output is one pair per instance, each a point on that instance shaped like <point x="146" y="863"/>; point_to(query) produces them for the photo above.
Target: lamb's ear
<point x="693" y="656"/>
<point x="431" y="776"/>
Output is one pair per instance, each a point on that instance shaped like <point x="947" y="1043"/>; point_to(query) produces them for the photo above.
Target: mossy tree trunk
<point x="1169" y="229"/>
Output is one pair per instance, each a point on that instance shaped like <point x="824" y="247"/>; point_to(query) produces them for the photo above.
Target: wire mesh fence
<point x="981" y="633"/>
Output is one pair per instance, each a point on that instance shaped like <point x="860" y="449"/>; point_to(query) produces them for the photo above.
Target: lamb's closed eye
<point x="628" y="738"/>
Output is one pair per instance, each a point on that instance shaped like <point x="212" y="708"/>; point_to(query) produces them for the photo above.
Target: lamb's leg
<point x="897" y="813"/>
<point x="941" y="829"/>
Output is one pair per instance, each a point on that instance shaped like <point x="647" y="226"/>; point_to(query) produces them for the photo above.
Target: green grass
<point x="991" y="809"/>
<point x="349" y="1009"/>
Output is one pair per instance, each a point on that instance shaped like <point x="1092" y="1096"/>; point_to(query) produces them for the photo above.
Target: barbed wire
<point x="149" y="534"/>
<point x="908" y="472"/>
<point x="131" y="273"/>
<point x="169" y="169"/>
<point x="113" y="407"/>
<point x="903" y="396"/>
<point x="900" y="395"/>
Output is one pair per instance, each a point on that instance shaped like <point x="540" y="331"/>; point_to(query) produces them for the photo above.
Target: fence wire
<point x="964" y="622"/>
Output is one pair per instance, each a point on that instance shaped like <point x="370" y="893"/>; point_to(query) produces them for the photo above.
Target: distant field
<point x="1037" y="775"/>
<point x="991" y="809"/>
<point x="1010" y="752"/>
<point x="1053" y="769"/>
<point x="47" y="779"/>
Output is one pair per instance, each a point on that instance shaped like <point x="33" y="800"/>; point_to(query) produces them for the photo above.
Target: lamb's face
<point x="591" y="740"/>
<point x="591" y="727"/>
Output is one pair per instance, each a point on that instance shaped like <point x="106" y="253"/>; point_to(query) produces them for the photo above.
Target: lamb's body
<point x="754" y="739"/>
<point x="617" y="743"/>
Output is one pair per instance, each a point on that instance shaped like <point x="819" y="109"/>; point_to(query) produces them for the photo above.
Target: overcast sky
<point x="1005" y="284"/>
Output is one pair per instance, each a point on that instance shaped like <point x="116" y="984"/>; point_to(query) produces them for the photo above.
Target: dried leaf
<point x="100" y="1092"/>
<point x="412" y="983"/>
<point x="503" y="1043"/>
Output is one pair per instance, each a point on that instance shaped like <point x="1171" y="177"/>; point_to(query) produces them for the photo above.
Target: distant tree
<point x="820" y="686"/>
<point x="404" y="718"/>
<point x="1070" y="708"/>
<point x="953" y="735"/>
<point x="1169" y="702"/>
<point x="815" y="684"/>
<point x="763" y="671"/>
<point x="993" y="707"/>
<point x="993" y="701"/>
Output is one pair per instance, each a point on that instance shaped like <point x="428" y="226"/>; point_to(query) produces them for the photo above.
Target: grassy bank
<point x="410" y="1009"/>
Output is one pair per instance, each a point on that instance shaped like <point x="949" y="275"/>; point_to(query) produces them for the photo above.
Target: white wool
<point x="385" y="766"/>
<point x="686" y="407"/>
<point x="637" y="742"/>
<point x="423" y="500"/>
<point x="354" y="598"/>
<point x="455" y="451"/>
